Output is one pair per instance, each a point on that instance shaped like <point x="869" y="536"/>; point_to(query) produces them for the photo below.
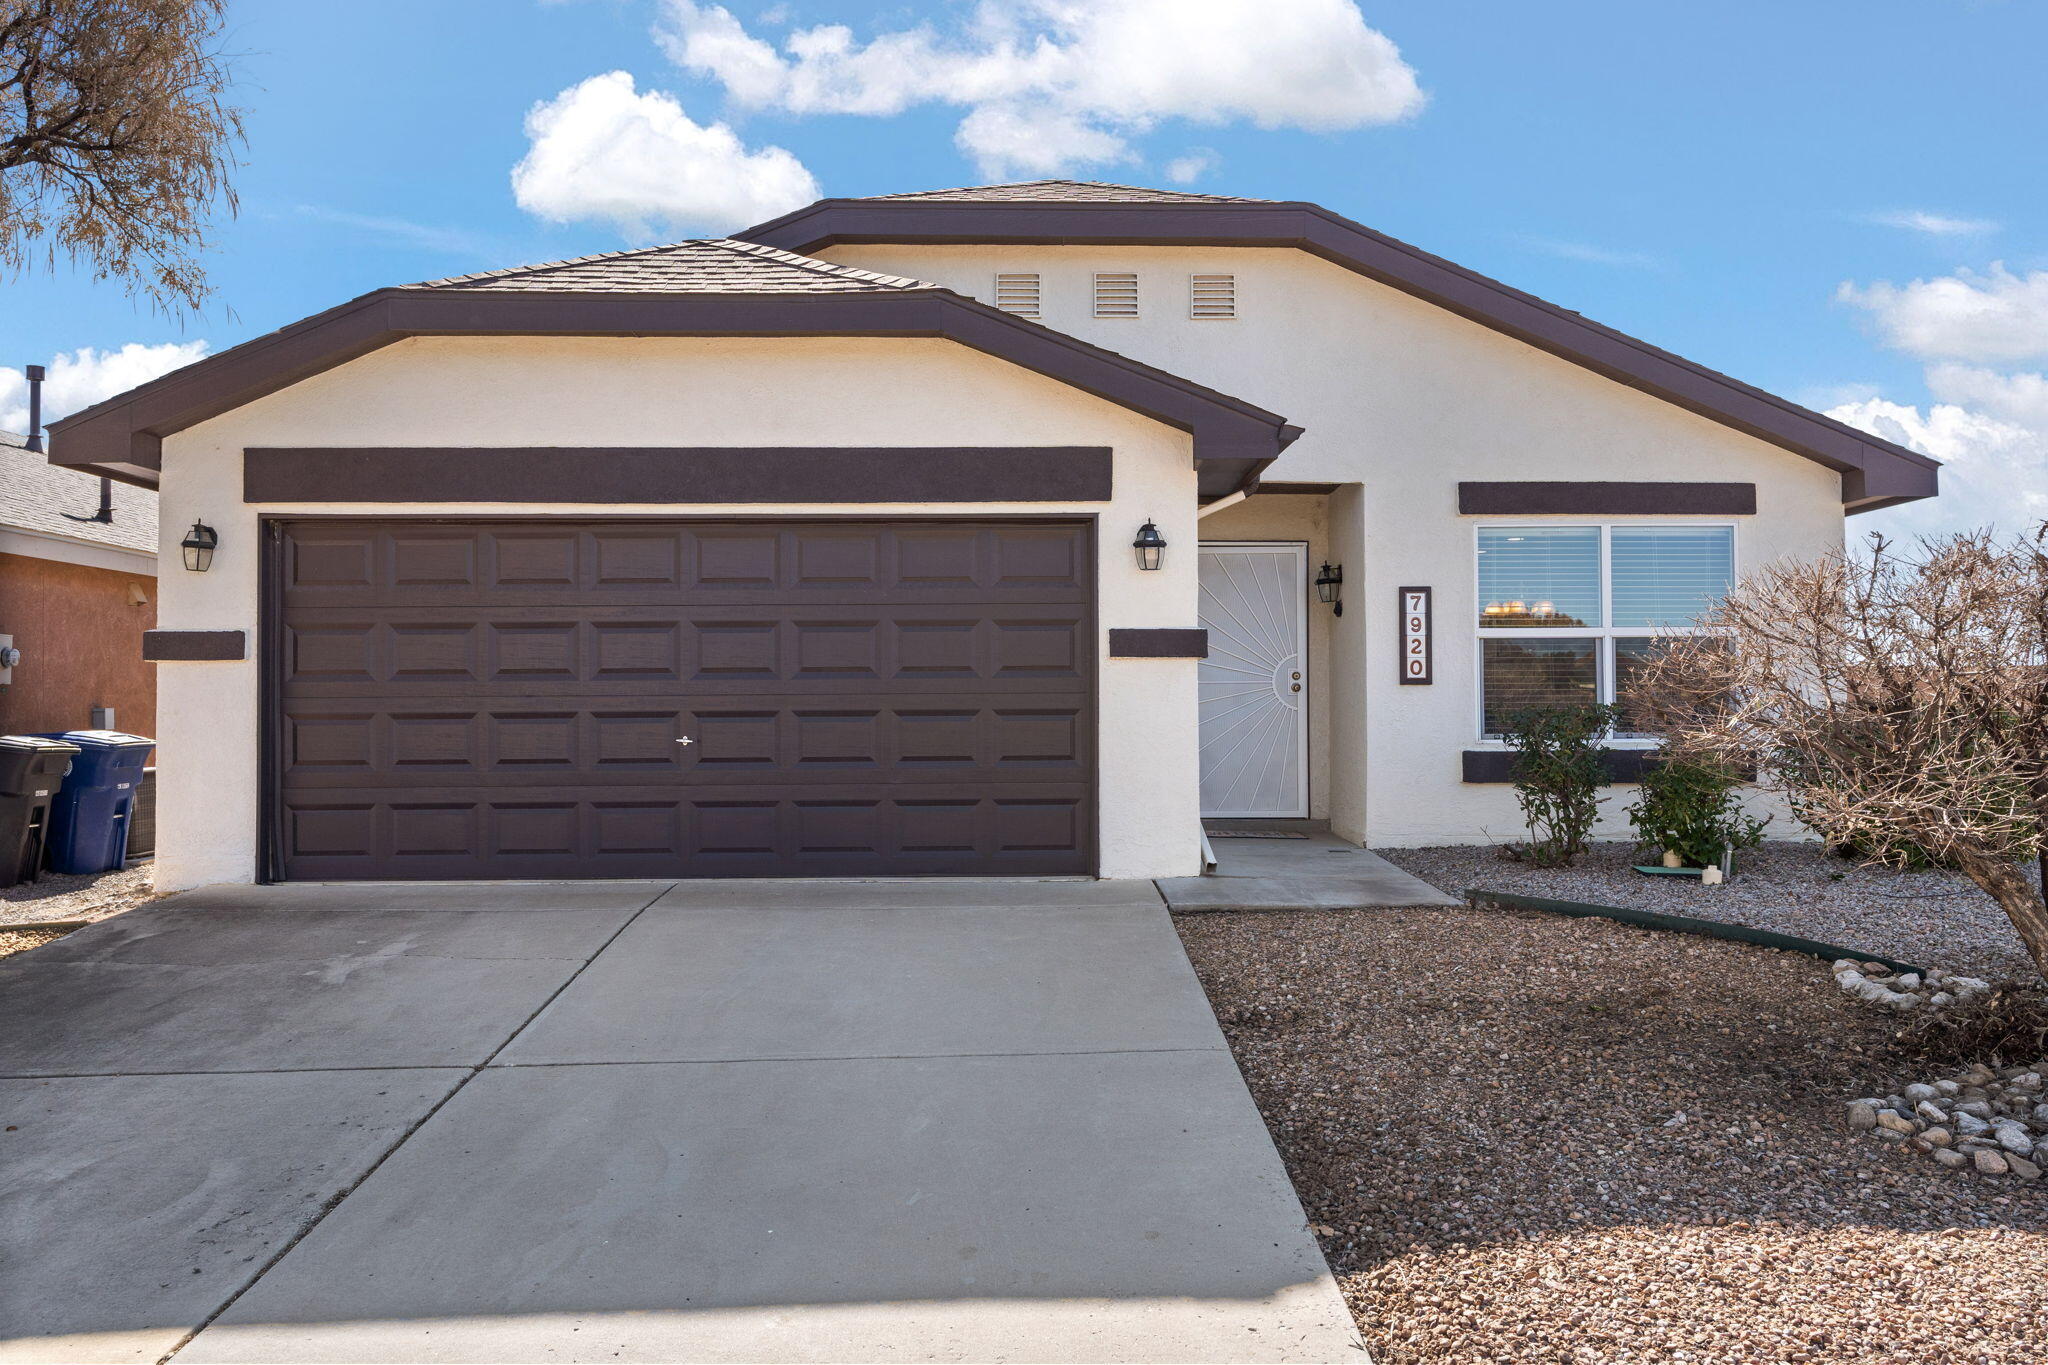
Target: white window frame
<point x="1603" y="635"/>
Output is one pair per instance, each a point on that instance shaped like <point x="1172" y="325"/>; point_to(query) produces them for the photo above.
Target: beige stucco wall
<point x="1403" y="400"/>
<point x="676" y="392"/>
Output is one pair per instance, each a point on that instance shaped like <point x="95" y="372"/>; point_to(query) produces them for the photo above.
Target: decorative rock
<point x="1952" y="1160"/>
<point x="1877" y="984"/>
<point x="2014" y="1138"/>
<point x="1937" y="1137"/>
<point x="1969" y="1125"/>
<point x="1891" y="1135"/>
<point x="1947" y="1087"/>
<point x="1909" y="981"/>
<point x="2041" y="1114"/>
<point x="1991" y="1163"/>
<point x="1917" y="1093"/>
<point x="1975" y="1108"/>
<point x="2023" y="1168"/>
<point x="1862" y="1116"/>
<point x="1887" y="1119"/>
<point x="1930" y="1111"/>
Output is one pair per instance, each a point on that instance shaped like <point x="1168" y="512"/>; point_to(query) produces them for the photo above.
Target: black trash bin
<point x="31" y="772"/>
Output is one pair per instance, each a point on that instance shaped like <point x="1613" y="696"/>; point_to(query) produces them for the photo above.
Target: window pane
<point x="1629" y="657"/>
<point x="1667" y="575"/>
<point x="1539" y="576"/>
<point x="1522" y="673"/>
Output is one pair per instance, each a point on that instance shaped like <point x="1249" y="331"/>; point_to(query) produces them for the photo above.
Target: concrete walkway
<point x="749" y="1121"/>
<point x="1320" y="872"/>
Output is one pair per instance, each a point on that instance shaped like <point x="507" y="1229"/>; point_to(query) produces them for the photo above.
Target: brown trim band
<point x="1541" y="497"/>
<point x="1158" y="644"/>
<point x="1875" y="473"/>
<point x="185" y="646"/>
<point x="682" y="475"/>
<point x="1497" y="766"/>
<point x="123" y="436"/>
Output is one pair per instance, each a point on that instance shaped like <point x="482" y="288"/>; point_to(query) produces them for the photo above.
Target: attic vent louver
<point x="1018" y="294"/>
<point x="1116" y="294"/>
<point x="1212" y="296"/>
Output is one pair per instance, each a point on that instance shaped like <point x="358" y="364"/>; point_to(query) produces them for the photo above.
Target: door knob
<point x="686" y="740"/>
<point x="1295" y="687"/>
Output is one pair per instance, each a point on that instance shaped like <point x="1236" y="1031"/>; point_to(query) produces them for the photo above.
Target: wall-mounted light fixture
<point x="1150" y="545"/>
<point x="198" y="545"/>
<point x="1329" y="584"/>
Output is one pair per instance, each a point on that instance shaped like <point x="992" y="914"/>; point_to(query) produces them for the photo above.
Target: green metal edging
<point x="1685" y="924"/>
<point x="38" y="926"/>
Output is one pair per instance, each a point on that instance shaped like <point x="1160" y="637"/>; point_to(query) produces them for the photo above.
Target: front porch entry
<point x="1254" y="684"/>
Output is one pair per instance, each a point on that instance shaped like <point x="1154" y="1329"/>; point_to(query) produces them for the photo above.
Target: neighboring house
<point x="76" y="594"/>
<point x="813" y="553"/>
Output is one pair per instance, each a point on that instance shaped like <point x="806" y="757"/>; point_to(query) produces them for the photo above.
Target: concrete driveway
<point x="749" y="1121"/>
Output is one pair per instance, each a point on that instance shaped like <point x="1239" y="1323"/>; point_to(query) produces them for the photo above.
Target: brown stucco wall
<point x="80" y="637"/>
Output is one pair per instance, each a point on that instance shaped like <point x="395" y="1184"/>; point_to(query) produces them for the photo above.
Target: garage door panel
<point x="623" y="562"/>
<point x="428" y="648"/>
<point x="506" y="699"/>
<point x="855" y="830"/>
<point x="335" y="744"/>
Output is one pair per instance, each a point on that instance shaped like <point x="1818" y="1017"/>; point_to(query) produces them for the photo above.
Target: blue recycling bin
<point x="89" y="819"/>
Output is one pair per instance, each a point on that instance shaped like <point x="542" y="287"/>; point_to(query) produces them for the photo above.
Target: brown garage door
<point x="508" y="699"/>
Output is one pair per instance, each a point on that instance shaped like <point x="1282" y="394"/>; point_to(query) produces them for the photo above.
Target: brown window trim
<point x="1548" y="497"/>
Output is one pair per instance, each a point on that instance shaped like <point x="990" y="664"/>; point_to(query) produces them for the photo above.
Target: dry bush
<point x="2006" y="1026"/>
<point x="1897" y="702"/>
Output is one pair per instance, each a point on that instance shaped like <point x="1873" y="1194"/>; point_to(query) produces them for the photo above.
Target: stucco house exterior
<point x="816" y="551"/>
<point x="77" y="591"/>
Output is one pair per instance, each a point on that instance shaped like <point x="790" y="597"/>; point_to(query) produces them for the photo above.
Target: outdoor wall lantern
<point x="1329" y="583"/>
<point x="198" y="546"/>
<point x="1150" y="545"/>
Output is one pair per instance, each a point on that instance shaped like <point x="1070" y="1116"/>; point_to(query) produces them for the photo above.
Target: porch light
<point x="1150" y="545"/>
<point x="1329" y="583"/>
<point x="198" y="546"/>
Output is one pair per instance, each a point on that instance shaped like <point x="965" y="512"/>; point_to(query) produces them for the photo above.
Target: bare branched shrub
<point x="115" y="138"/>
<point x="1898" y="703"/>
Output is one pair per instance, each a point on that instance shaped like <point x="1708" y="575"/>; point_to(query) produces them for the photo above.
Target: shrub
<point x="1558" y="774"/>
<point x="2006" y="1026"/>
<point x="1691" y="809"/>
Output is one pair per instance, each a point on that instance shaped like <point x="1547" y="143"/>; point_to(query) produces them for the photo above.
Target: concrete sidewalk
<point x="714" y="1121"/>
<point x="1318" y="872"/>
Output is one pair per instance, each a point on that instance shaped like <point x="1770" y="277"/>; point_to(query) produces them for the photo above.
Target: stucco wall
<point x="79" y="631"/>
<point x="679" y="392"/>
<point x="1404" y="400"/>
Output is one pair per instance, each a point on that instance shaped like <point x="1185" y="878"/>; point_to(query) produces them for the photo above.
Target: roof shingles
<point x="35" y="495"/>
<point x="707" y="266"/>
<point x="1068" y="192"/>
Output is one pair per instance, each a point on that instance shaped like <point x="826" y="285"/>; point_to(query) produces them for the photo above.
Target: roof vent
<point x="1018" y="294"/>
<point x="1116" y="294"/>
<point x="1212" y="296"/>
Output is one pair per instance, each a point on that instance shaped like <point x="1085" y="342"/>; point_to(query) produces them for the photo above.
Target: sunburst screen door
<point x="1254" y="682"/>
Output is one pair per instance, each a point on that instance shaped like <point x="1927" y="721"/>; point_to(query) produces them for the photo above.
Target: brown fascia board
<point x="1233" y="440"/>
<point x="1875" y="473"/>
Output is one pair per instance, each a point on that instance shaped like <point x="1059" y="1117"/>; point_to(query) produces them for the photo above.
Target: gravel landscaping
<point x="95" y="896"/>
<point x="1930" y="918"/>
<point x="1525" y="1138"/>
<point x="21" y="940"/>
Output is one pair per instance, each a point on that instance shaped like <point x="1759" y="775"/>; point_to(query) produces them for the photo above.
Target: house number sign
<point x="1415" y="629"/>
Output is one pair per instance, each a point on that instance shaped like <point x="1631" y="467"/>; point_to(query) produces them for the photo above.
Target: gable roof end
<point x="1875" y="472"/>
<point x="700" y="288"/>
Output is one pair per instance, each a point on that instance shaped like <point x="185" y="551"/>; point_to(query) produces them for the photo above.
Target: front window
<point x="1567" y="613"/>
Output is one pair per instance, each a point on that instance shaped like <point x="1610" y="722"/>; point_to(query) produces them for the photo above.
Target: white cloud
<point x="1052" y="84"/>
<point x="1991" y="432"/>
<point x="602" y="151"/>
<point x="1932" y="224"/>
<point x="1593" y="255"/>
<point x="1989" y="316"/>
<point x="1191" y="166"/>
<point x="402" y="231"/>
<point x="80" y="378"/>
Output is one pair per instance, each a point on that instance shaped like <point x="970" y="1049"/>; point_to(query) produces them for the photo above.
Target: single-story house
<point x="77" y="591"/>
<point x="1000" y="531"/>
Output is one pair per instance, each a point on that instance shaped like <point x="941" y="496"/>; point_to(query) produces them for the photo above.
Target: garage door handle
<point x="686" y="740"/>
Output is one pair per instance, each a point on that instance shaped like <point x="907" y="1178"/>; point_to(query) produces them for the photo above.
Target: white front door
<point x="1253" y="684"/>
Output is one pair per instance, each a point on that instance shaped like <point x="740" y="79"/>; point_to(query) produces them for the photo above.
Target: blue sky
<point x="1756" y="186"/>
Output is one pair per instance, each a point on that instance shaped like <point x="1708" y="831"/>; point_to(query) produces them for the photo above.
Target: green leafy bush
<point x="1558" y="774"/>
<point x="1691" y="809"/>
